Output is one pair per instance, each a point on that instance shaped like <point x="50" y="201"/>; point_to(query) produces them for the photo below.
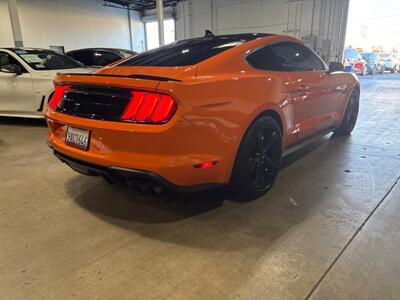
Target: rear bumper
<point x="169" y="151"/>
<point x="127" y="176"/>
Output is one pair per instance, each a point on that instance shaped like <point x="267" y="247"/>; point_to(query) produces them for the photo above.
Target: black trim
<point x="307" y="141"/>
<point x="41" y="104"/>
<point x="123" y="175"/>
<point x="134" y="76"/>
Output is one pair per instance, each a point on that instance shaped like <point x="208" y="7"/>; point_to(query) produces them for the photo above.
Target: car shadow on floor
<point x="180" y="218"/>
<point x="22" y="121"/>
<point x="101" y="197"/>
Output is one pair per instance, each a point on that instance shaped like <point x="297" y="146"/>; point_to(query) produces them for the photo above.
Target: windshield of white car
<point x="47" y="60"/>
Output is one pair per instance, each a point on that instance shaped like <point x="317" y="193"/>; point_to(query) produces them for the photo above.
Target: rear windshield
<point x="188" y="52"/>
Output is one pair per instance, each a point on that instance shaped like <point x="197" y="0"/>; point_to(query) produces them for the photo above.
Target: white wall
<point x="138" y="35"/>
<point x="6" y="37"/>
<point x="323" y="30"/>
<point x="73" y="24"/>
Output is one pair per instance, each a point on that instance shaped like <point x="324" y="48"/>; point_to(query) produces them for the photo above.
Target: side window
<point x="264" y="59"/>
<point x="295" y="57"/>
<point x="103" y="58"/>
<point x="85" y="57"/>
<point x="7" y="59"/>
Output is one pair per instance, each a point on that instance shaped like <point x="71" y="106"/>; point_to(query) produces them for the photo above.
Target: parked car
<point x="201" y="113"/>
<point x="390" y="61"/>
<point x="353" y="58"/>
<point x="26" y="79"/>
<point x="99" y="57"/>
<point x="374" y="65"/>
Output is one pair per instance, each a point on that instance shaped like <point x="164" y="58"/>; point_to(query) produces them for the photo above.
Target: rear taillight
<point x="149" y="107"/>
<point x="58" y="94"/>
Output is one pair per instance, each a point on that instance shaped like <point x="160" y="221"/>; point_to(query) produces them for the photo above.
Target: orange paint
<point x="217" y="100"/>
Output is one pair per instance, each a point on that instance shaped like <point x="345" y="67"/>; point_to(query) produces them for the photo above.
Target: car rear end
<point x="353" y="58"/>
<point x="125" y="130"/>
<point x="148" y="118"/>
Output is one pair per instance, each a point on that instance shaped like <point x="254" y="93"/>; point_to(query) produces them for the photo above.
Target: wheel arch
<point x="267" y="112"/>
<point x="275" y="115"/>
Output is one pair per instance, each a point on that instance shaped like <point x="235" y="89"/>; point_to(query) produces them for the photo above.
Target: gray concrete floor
<point x="328" y="230"/>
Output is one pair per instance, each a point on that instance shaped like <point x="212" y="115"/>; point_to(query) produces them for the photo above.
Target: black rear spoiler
<point x="134" y="76"/>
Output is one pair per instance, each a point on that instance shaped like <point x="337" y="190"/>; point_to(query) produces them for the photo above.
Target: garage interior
<point x="329" y="229"/>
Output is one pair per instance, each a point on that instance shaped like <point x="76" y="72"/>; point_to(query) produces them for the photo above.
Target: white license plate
<point x="78" y="138"/>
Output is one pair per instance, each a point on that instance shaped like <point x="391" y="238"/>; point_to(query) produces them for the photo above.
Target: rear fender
<point x="220" y="109"/>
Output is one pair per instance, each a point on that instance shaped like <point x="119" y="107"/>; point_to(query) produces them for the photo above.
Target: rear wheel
<point x="350" y="115"/>
<point x="258" y="159"/>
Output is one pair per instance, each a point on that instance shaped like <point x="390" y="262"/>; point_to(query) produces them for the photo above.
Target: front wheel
<point x="350" y="115"/>
<point x="258" y="159"/>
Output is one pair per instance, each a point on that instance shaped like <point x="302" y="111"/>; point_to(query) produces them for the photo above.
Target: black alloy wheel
<point x="258" y="160"/>
<point x="264" y="157"/>
<point x="351" y="114"/>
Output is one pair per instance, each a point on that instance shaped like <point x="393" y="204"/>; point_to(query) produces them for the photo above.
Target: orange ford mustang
<point x="200" y="113"/>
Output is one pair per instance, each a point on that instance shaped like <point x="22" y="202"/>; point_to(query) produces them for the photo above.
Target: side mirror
<point x="11" y="69"/>
<point x="336" y="66"/>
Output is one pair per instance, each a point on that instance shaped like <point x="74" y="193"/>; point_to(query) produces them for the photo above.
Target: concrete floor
<point x="328" y="230"/>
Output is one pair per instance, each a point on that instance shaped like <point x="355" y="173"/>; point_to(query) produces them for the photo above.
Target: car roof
<point x="102" y="49"/>
<point x="26" y="48"/>
<point x="241" y="36"/>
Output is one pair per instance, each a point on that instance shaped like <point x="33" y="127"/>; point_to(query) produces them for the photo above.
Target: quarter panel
<point x="221" y="108"/>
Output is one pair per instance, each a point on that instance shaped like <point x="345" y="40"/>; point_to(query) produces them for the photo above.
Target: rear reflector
<point x="149" y="107"/>
<point x="205" y="165"/>
<point x="58" y="94"/>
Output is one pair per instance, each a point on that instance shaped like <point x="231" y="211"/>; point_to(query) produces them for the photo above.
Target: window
<point x="127" y="54"/>
<point x="7" y="59"/>
<point x="295" y="57"/>
<point x="187" y="52"/>
<point x="152" y="39"/>
<point x="264" y="59"/>
<point x="85" y="57"/>
<point x="46" y="59"/>
<point x="103" y="58"/>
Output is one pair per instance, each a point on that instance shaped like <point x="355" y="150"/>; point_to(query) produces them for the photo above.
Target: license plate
<point x="78" y="138"/>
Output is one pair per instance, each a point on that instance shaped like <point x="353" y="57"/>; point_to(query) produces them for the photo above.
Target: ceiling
<point x="139" y="4"/>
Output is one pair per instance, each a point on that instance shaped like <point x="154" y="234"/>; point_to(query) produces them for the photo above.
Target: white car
<point x="26" y="79"/>
<point x="391" y="61"/>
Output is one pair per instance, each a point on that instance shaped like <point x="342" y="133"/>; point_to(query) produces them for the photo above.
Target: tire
<point x="393" y="70"/>
<point x="364" y="71"/>
<point x="350" y="115"/>
<point x="258" y="159"/>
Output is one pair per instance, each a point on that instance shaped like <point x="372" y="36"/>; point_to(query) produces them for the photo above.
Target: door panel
<point x="313" y="90"/>
<point x="16" y="92"/>
<point x="316" y="99"/>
